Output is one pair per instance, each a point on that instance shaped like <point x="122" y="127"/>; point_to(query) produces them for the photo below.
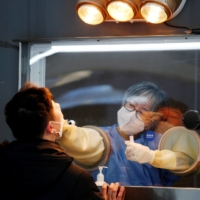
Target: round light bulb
<point x="120" y="11"/>
<point x="90" y="14"/>
<point x="154" y="13"/>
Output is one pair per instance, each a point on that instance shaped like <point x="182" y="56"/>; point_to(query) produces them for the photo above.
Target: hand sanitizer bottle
<point x="100" y="177"/>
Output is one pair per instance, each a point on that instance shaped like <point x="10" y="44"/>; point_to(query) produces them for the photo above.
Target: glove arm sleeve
<point x="89" y="146"/>
<point x="172" y="160"/>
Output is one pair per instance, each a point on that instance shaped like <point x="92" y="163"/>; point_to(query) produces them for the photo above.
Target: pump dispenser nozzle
<point x="100" y="176"/>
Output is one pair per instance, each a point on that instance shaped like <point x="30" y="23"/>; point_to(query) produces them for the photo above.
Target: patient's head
<point x="29" y="111"/>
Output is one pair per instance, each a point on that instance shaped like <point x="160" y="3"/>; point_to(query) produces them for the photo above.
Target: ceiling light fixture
<point x="91" y="11"/>
<point x="121" y="11"/>
<point x="154" y="11"/>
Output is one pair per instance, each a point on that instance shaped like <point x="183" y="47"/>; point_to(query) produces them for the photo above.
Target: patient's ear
<point x="49" y="128"/>
<point x="49" y="133"/>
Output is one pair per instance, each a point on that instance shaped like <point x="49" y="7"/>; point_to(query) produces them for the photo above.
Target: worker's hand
<point x="139" y="153"/>
<point x="113" y="191"/>
<point x="151" y="119"/>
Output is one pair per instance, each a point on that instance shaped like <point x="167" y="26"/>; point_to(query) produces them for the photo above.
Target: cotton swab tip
<point x="131" y="138"/>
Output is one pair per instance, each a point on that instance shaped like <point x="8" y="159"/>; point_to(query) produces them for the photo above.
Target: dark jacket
<point x="42" y="170"/>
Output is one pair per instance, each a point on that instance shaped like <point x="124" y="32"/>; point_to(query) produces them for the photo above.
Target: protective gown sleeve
<point x="88" y="145"/>
<point x="172" y="160"/>
<point x="179" y="149"/>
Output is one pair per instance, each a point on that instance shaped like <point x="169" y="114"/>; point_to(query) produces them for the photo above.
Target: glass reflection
<point x="94" y="97"/>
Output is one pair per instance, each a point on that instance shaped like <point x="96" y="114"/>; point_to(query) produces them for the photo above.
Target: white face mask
<point x="60" y="129"/>
<point x="128" y="122"/>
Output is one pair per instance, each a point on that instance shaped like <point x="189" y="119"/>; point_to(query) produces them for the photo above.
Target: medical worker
<point x="97" y="146"/>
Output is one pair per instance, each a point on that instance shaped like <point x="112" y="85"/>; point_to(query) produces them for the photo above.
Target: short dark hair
<point x="182" y="107"/>
<point x="157" y="97"/>
<point x="28" y="112"/>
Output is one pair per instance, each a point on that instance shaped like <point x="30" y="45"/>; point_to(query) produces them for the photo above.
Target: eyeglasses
<point x="131" y="108"/>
